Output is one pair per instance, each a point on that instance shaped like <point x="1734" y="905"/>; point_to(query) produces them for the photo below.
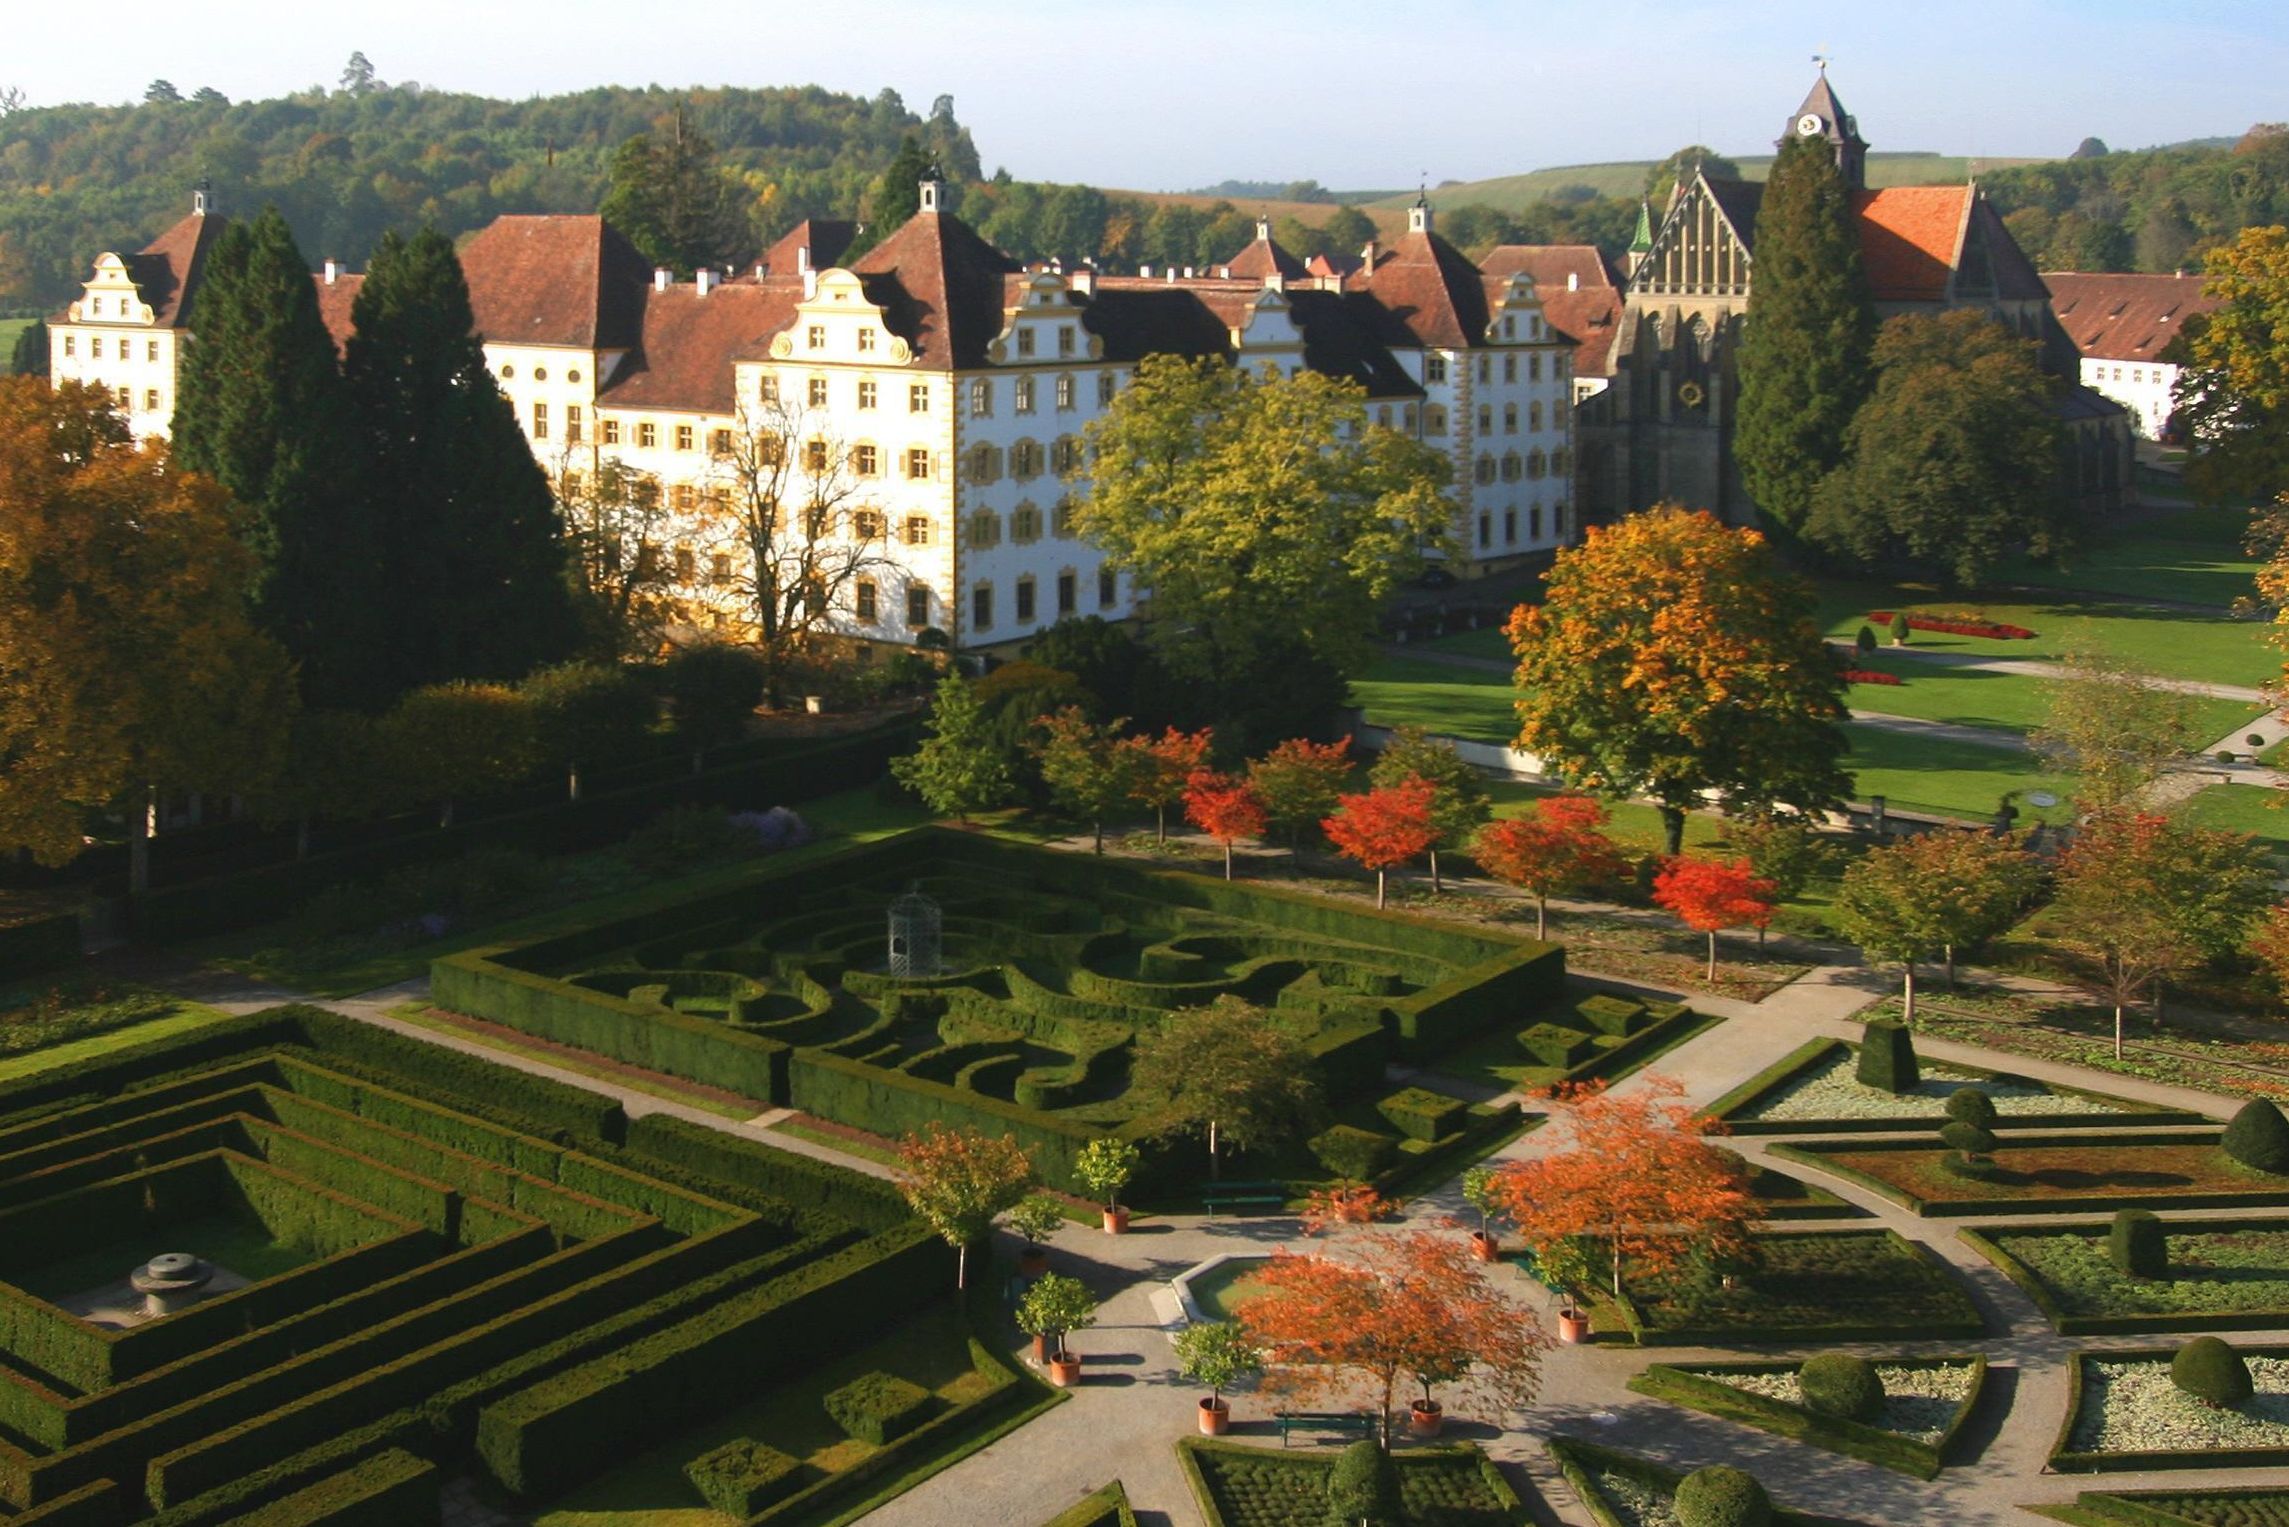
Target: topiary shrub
<point x="1352" y="1152"/>
<point x="2136" y="1244"/>
<point x="1887" y="1058"/>
<point x="741" y="1478"/>
<point x="879" y="1407"/>
<point x="1972" y="1146"/>
<point x="1866" y="640"/>
<point x="1363" y="1487"/>
<point x="2212" y="1373"/>
<point x="1971" y="1106"/>
<point x="2258" y="1137"/>
<point x="1718" y="1496"/>
<point x="1841" y="1386"/>
<point x="1900" y="628"/>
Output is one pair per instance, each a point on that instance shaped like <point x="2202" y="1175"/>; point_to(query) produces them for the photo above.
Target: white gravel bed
<point x="2134" y="1408"/>
<point x="1635" y="1504"/>
<point x="1919" y="1403"/>
<point x="1830" y="1091"/>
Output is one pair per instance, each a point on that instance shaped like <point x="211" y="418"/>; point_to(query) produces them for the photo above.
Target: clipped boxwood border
<point x="1980" y="1238"/>
<point x="1105" y="1506"/>
<point x="1817" y="1153"/>
<point x="1573" y="1457"/>
<point x="2065" y="1461"/>
<point x="2133" y="1115"/>
<point x="2131" y="1506"/>
<point x="1869" y="1444"/>
<point x="1190" y="1449"/>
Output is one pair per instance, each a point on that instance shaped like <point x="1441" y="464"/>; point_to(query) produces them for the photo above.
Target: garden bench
<point x="1356" y="1423"/>
<point x="1227" y="1194"/>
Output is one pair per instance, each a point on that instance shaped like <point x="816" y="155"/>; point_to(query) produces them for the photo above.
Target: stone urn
<point x="170" y="1282"/>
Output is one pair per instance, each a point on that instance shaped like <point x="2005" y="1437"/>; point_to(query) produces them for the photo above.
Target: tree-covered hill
<point x="2152" y="209"/>
<point x="346" y="165"/>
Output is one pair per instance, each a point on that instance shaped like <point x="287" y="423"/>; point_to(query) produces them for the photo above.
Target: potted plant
<point x="1051" y="1310"/>
<point x="1216" y="1353"/>
<point x="1564" y="1267"/>
<point x="1104" y="1168"/>
<point x="1036" y="1220"/>
<point x="1478" y="1189"/>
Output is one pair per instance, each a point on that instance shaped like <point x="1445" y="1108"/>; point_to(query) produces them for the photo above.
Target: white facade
<point x="111" y="338"/>
<point x="2143" y="387"/>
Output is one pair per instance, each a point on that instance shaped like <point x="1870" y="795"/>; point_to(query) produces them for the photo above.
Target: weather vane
<point x="1822" y="60"/>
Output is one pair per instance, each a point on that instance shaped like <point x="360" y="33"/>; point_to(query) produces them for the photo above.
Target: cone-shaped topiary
<point x="1840" y="1385"/>
<point x="1363" y="1487"/>
<point x="2258" y="1136"/>
<point x="1718" y="1496"/>
<point x="2136" y="1244"/>
<point x="2212" y="1373"/>
<point x="1971" y="1106"/>
<point x="1887" y="1058"/>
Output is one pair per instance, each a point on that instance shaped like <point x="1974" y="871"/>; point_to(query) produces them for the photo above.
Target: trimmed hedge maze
<point x="1056" y="962"/>
<point x="449" y="1264"/>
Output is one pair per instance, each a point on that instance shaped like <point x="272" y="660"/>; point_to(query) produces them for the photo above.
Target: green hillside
<point x="1514" y="193"/>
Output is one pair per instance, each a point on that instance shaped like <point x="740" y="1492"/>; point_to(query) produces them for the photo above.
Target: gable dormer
<point x="1515" y="315"/>
<point x="837" y="323"/>
<point x="1268" y="325"/>
<point x="1042" y="323"/>
<point x="111" y="295"/>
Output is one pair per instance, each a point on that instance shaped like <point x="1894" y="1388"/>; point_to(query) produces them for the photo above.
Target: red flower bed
<point x="1869" y="676"/>
<point x="1987" y="628"/>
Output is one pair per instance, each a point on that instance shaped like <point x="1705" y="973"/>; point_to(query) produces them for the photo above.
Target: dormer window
<point x="1434" y="368"/>
<point x="1025" y="341"/>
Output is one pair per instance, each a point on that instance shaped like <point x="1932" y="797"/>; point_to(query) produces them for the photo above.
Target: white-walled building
<point x="2121" y="324"/>
<point x="950" y="384"/>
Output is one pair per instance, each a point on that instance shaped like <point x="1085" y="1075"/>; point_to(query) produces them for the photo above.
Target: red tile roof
<point x="1433" y="297"/>
<point x="941" y="288"/>
<point x="557" y="280"/>
<point x="1580" y="297"/>
<point x="824" y="239"/>
<point x="1910" y="239"/>
<point x="2124" y="317"/>
<point x="1264" y="258"/>
<point x="167" y="269"/>
<point x="690" y="344"/>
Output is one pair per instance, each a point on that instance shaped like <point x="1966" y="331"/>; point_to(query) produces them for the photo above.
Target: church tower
<point x="1823" y="116"/>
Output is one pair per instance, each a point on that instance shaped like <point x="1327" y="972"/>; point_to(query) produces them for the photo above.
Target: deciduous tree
<point x="2112" y="725"/>
<point x="1225" y="808"/>
<point x="1672" y="657"/>
<point x="957" y="769"/>
<point x="1933" y="893"/>
<point x="960" y="1181"/>
<point x="1392" y="1306"/>
<point x="1164" y="769"/>
<point x="1229" y="1073"/>
<point x="446" y="742"/>
<point x="1459" y="803"/>
<point x="590" y="715"/>
<point x="1637" y="1176"/>
<point x="1806" y="357"/>
<point x="1384" y="827"/>
<point x="1555" y="845"/>
<point x="1709" y="895"/>
<point x="1088" y="768"/>
<point x="1789" y="851"/>
<point x="2232" y="396"/>
<point x="619" y="533"/>
<point x="1299" y="781"/>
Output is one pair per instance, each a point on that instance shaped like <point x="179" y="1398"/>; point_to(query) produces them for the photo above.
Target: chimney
<point x="810" y="284"/>
<point x="802" y="259"/>
<point x="1170" y="274"/>
<point x="1573" y="280"/>
<point x="1274" y="281"/>
<point x="333" y="270"/>
<point x="1223" y="272"/>
<point x="761" y="270"/>
<point x="662" y="278"/>
<point x="1144" y="271"/>
<point x="706" y="279"/>
<point x="1083" y="281"/>
<point x="1190" y="271"/>
<point x="1367" y="255"/>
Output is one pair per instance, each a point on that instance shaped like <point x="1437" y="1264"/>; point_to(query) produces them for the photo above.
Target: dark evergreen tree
<point x="898" y="195"/>
<point x="261" y="409"/>
<point x="673" y="198"/>
<point x="473" y="553"/>
<point x="30" y="356"/>
<point x="1805" y="357"/>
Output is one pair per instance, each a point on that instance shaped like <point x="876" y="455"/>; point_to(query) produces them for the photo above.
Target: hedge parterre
<point x="1053" y="965"/>
<point x="478" y="1265"/>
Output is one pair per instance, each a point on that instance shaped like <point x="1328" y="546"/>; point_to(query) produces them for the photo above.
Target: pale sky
<point x="1353" y="94"/>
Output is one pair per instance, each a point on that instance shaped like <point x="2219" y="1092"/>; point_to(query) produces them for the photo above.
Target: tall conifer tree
<point x="262" y="411"/>
<point x="1806" y="353"/>
<point x="473" y="552"/>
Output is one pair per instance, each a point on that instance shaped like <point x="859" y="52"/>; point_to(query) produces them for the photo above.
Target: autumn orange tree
<point x="1555" y="846"/>
<point x="1225" y="808"/>
<point x="1672" y="656"/>
<point x="1164" y="767"/>
<point x="129" y="664"/>
<point x="1636" y="1177"/>
<point x="1709" y="895"/>
<point x="1390" y="1306"/>
<point x="1299" y="782"/>
<point x="1383" y="827"/>
<point x="959" y="1181"/>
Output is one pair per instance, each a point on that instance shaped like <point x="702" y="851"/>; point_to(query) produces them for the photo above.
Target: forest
<point x="2151" y="210"/>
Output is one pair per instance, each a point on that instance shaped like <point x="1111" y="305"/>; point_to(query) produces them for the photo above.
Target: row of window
<point x="1026" y="610"/>
<point x="540" y="374"/>
<point x="982" y="529"/>
<point x="1435" y="366"/>
<point x="1511" y="466"/>
<point x="1510" y="525"/>
<point x="2138" y="374"/>
<point x="125" y="349"/>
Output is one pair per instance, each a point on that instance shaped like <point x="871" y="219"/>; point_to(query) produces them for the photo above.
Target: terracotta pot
<point x="1215" y="1415"/>
<point x="1424" y="1417"/>
<point x="1573" y="1327"/>
<point x="1485" y="1247"/>
<point x="1065" y="1372"/>
<point x="1116" y="1221"/>
<point x="1033" y="1261"/>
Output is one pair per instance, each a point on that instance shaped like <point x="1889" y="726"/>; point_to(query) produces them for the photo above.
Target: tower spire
<point x="1823" y="116"/>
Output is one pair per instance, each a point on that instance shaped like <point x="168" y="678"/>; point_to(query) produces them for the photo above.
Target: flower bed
<point x="2051" y="1174"/>
<point x="2127" y="1414"/>
<point x="1622" y="1490"/>
<point x="1237" y="1485"/>
<point x="1823" y="1285"/>
<point x="2224" y="1275"/>
<point x="1925" y="1402"/>
<point x="1958" y="626"/>
<point x="1814" y="1088"/>
<point x="1869" y="676"/>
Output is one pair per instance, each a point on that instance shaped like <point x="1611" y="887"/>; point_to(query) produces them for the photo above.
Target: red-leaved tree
<point x="1383" y="827"/>
<point x="1225" y="808"/>
<point x="1164" y="769"/>
<point x="1636" y="1177"/>
<point x="1388" y="1306"/>
<point x="1555" y="846"/>
<point x="1710" y="894"/>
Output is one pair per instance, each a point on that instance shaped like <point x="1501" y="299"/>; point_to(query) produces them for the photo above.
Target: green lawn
<point x="1939" y="775"/>
<point x="2011" y="702"/>
<point x="1461" y="702"/>
<point x="9" y="329"/>
<point x="177" y="1018"/>
<point x="2258" y="810"/>
<point x="241" y="1244"/>
<point x="1486" y="641"/>
<point x="2193" y="555"/>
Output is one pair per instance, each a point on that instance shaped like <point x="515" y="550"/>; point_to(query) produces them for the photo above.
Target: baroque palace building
<point x="944" y="384"/>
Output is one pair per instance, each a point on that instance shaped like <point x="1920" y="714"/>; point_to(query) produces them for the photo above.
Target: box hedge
<point x="392" y="1488"/>
<point x="1556" y="1045"/>
<point x="1609" y="1014"/>
<point x="1351" y="1152"/>
<point x="1421" y="1114"/>
<point x="743" y="1476"/>
<point x="879" y="1407"/>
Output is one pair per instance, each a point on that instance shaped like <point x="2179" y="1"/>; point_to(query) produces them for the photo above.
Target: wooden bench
<point x="1225" y="1195"/>
<point x="1355" y="1423"/>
